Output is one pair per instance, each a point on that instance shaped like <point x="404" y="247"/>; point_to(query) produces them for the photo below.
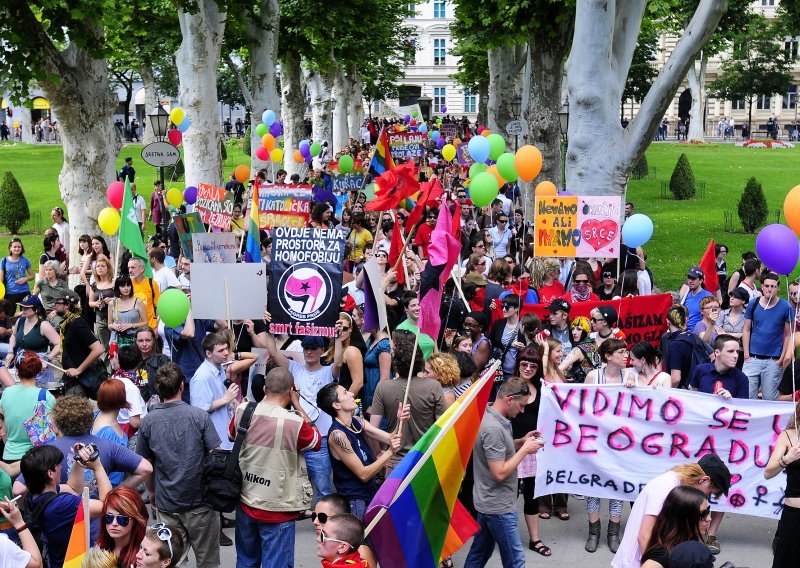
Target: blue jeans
<point x="503" y="530"/>
<point x="764" y="373"/>
<point x="319" y="470"/>
<point x="263" y="544"/>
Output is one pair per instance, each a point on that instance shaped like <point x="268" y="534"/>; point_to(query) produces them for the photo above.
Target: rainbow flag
<point x="381" y="160"/>
<point x="416" y="519"/>
<point x="252" y="251"/>
<point x="78" y="541"/>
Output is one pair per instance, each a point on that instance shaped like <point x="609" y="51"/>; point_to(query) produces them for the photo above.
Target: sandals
<point x="539" y="547"/>
<point x="564" y="516"/>
<point x="544" y="516"/>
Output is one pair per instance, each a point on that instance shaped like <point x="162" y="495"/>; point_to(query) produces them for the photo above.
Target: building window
<point x="738" y="104"/>
<point x="438" y="8"/>
<point x="791" y="47"/>
<point x="767" y="2"/>
<point x="439" y="51"/>
<point x="790" y="98"/>
<point x="470" y="101"/>
<point x="413" y="9"/>
<point x="763" y="102"/>
<point x="439" y="98"/>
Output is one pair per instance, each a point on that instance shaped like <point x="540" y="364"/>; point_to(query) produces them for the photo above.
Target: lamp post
<point x="159" y="119"/>
<point x="516" y="108"/>
<point x="485" y="107"/>
<point x="563" y="124"/>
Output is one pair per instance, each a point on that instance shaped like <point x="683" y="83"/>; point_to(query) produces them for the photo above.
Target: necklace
<point x="350" y="427"/>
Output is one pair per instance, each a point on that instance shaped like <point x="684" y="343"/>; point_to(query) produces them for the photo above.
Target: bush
<point x="174" y="173"/>
<point x="223" y="150"/>
<point x="681" y="184"/>
<point x="14" y="210"/>
<point x="246" y="141"/>
<point x="753" y="206"/>
<point x="641" y="170"/>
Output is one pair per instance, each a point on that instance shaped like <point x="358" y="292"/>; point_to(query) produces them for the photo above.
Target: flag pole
<point x="410" y="374"/>
<point x="86" y="518"/>
<point x="228" y="305"/>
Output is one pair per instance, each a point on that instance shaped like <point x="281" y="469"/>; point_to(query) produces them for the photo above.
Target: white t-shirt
<point x="751" y="291"/>
<point x="501" y="241"/>
<point x="11" y="555"/>
<point x="139" y="206"/>
<point x="649" y="502"/>
<point x="309" y="384"/>
<point x="166" y="278"/>
<point x="134" y="398"/>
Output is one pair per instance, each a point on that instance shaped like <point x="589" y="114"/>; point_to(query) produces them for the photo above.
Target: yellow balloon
<point x="448" y="152"/>
<point x="2" y="289"/>
<point x="276" y="155"/>
<point x="176" y="115"/>
<point x="175" y="197"/>
<point x="109" y="220"/>
<point x="16" y="124"/>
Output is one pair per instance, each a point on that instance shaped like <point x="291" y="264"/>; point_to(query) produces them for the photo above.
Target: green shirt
<point x="17" y="405"/>
<point x="426" y="344"/>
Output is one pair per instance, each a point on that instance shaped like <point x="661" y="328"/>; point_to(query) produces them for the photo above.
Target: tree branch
<point x="248" y="96"/>
<point x="627" y="23"/>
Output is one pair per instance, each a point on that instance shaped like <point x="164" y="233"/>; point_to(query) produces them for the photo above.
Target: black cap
<point x="740" y="293"/>
<point x="718" y="472"/>
<point x="696" y="272"/>
<point x="559" y="305"/>
<point x="691" y="554"/>
<point x="68" y="295"/>
<point x="609" y="314"/>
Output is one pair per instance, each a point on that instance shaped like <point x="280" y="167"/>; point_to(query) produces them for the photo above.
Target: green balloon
<point x="414" y="114"/>
<point x="315" y="149"/>
<point x="483" y="189"/>
<point x="496" y="146"/>
<point x="477" y="168"/>
<point x="345" y="164"/>
<point x="506" y="167"/>
<point x="262" y="129"/>
<point x="173" y="307"/>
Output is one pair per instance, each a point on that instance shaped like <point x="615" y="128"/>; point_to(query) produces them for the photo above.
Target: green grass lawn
<point x="682" y="228"/>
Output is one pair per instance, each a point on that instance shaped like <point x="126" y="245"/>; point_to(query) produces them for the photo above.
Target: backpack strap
<point x="244" y="424"/>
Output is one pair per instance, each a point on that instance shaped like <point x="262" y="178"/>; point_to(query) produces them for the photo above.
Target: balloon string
<point x="794" y="379"/>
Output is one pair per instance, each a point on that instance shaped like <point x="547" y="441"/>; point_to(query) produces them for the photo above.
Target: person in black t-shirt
<point x="80" y="347"/>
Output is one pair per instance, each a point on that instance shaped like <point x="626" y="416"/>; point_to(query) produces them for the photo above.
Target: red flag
<point x="709" y="265"/>
<point x="430" y="193"/>
<point x="393" y="186"/>
<point x="396" y="251"/>
<point x="457" y="221"/>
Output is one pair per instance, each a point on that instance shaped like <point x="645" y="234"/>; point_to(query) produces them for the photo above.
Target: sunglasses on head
<point x="122" y="520"/>
<point x="523" y="392"/>
<point x="164" y="535"/>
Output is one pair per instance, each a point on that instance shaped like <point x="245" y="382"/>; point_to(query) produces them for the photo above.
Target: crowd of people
<point x="99" y="392"/>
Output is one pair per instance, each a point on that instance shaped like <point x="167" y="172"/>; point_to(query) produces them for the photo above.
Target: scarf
<point x="68" y="318"/>
<point x="352" y="559"/>
<point x="580" y="292"/>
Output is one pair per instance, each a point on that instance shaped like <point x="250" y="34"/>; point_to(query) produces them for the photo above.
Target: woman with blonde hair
<point x="161" y="547"/>
<point x="101" y="294"/>
<point x="552" y="353"/>
<point x="444" y="368"/>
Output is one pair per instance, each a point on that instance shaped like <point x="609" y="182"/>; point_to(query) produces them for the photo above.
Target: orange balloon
<point x="485" y="133"/>
<point x="268" y="141"/>
<point x="456" y="142"/>
<point x="791" y="209"/>
<point x="528" y="161"/>
<point x="298" y="156"/>
<point x="545" y="188"/>
<point x="493" y="170"/>
<point x="242" y="173"/>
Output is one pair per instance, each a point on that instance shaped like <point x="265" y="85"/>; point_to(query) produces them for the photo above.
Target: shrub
<point x="246" y="141"/>
<point x="681" y="184"/>
<point x="753" y="206"/>
<point x="14" y="210"/>
<point x="641" y="170"/>
<point x="223" y="150"/>
<point x="174" y="173"/>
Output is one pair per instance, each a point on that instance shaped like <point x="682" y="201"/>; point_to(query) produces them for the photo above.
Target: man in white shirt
<point x="163" y="275"/>
<point x="139" y="206"/>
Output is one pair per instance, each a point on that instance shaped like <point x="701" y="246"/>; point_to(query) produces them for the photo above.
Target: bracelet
<point x="24" y="527"/>
<point x="781" y="463"/>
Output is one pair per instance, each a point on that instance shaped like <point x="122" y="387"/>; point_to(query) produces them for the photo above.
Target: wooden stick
<point x="228" y="305"/>
<point x="56" y="367"/>
<point x="410" y="374"/>
<point x="116" y="258"/>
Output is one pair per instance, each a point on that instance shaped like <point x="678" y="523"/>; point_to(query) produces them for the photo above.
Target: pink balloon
<point x="262" y="154"/>
<point x="174" y="136"/>
<point x="115" y="194"/>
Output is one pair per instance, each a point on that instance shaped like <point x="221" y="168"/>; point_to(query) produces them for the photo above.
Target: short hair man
<point x="176" y="437"/>
<point x="752" y="272"/>
<point x="127" y="171"/>
<point x="692" y="294"/>
<point x="275" y="486"/>
<point x="495" y="460"/>
<point x="144" y="288"/>
<point x="162" y="274"/>
<point x="338" y="542"/>
<point x="559" y="323"/>
<point x="721" y="377"/>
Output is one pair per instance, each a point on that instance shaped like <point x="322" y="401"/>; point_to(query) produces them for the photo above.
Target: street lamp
<point x="516" y="108"/>
<point x="563" y="121"/>
<point x="485" y="107"/>
<point x="159" y="119"/>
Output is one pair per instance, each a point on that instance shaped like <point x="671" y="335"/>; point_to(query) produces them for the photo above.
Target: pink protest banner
<point x="577" y="226"/>
<point x="215" y="205"/>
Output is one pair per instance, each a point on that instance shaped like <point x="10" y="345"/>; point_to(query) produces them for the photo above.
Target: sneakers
<point x="713" y="544"/>
<point x="224" y="540"/>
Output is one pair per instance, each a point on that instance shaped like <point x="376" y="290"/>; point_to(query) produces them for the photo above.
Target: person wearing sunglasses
<point x="604" y="319"/>
<point x="336" y="504"/>
<point x="123" y="524"/>
<point x="337" y="543"/>
<point x="162" y="546"/>
<point x="505" y="334"/>
<point x="608" y="282"/>
<point x="495" y="460"/>
<point x="582" y="283"/>
<point x="502" y="237"/>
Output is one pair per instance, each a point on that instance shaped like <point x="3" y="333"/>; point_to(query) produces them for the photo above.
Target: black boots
<point x="594" y="537"/>
<point x="613" y="536"/>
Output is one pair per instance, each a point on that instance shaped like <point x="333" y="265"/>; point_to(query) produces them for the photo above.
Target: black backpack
<point x="701" y="354"/>
<point x="222" y="476"/>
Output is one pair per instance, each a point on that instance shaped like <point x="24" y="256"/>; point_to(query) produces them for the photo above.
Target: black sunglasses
<point x="705" y="512"/>
<point x="607" y="275"/>
<point x="596" y="320"/>
<point x="525" y="392"/>
<point x="581" y="281"/>
<point x="323" y="517"/>
<point x="122" y="520"/>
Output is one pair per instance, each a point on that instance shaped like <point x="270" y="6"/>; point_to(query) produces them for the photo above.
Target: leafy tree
<point x="14" y="210"/>
<point x="753" y="206"/>
<point x="681" y="184"/>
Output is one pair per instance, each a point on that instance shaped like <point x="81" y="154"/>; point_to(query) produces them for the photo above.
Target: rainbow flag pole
<point x="415" y="519"/>
<point x="79" y="538"/>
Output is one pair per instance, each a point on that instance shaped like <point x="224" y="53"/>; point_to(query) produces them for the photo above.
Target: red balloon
<point x="480" y="129"/>
<point x="262" y="154"/>
<point x="115" y="194"/>
<point x="174" y="136"/>
<point x="412" y="122"/>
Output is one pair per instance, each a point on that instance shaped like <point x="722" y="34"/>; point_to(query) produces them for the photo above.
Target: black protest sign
<point x="305" y="284"/>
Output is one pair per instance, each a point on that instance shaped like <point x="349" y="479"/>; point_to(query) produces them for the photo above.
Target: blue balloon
<point x="637" y="230"/>
<point x="184" y="126"/>
<point x="479" y="148"/>
<point x="303" y="143"/>
<point x="268" y="117"/>
<point x="423" y="128"/>
<point x="435" y="135"/>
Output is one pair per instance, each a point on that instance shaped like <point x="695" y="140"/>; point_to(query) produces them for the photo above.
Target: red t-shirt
<point x="423" y="239"/>
<point x="549" y="293"/>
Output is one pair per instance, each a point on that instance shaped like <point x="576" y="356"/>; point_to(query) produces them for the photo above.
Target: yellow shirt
<point x="148" y="292"/>
<point x="358" y="242"/>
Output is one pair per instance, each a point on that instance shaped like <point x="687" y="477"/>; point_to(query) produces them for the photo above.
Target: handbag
<point x="92" y="378"/>
<point x="39" y="426"/>
<point x="222" y="476"/>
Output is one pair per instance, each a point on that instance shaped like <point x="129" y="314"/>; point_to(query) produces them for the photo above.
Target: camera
<point x="91" y="447"/>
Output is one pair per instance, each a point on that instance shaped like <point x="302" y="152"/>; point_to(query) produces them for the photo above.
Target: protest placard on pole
<point x="462" y="155"/>
<point x="281" y="205"/>
<point x="305" y="284"/>
<point x="404" y="145"/>
<point x="214" y="247"/>
<point x="215" y="205"/>
<point x="188" y="225"/>
<point x="248" y="291"/>
<point x="610" y="441"/>
<point x="348" y="182"/>
<point x="577" y="226"/>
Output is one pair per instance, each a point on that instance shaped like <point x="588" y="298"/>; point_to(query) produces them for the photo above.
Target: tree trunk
<point x="150" y="101"/>
<point x="320" y="84"/>
<point x="601" y="153"/>
<point x="262" y="43"/>
<point x="340" y="102"/>
<point x="502" y="80"/>
<point x="483" y="94"/>
<point x="26" y="125"/>
<point x="197" y="60"/>
<point x="293" y="98"/>
<point x="697" y="87"/>
<point x="355" y="112"/>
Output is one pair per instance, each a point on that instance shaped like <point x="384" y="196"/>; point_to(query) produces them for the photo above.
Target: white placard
<point x="214" y="247"/>
<point x="247" y="291"/>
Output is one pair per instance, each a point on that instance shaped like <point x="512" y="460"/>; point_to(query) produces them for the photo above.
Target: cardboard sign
<point x="577" y="226"/>
<point x="462" y="155"/>
<point x="246" y="291"/>
<point x="188" y="225"/>
<point x="215" y="205"/>
<point x="282" y="205"/>
<point x="214" y="247"/>
<point x="449" y="131"/>
<point x="404" y="145"/>
<point x="305" y="284"/>
<point x="348" y="182"/>
<point x="610" y="441"/>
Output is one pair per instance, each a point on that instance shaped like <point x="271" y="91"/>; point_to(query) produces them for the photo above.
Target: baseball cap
<point x="740" y="293"/>
<point x="718" y="472"/>
<point x="67" y="295"/>
<point x="559" y="305"/>
<point x="312" y="342"/>
<point x="691" y="554"/>
<point x="30" y="301"/>
<point x="609" y="314"/>
<point x="696" y="272"/>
